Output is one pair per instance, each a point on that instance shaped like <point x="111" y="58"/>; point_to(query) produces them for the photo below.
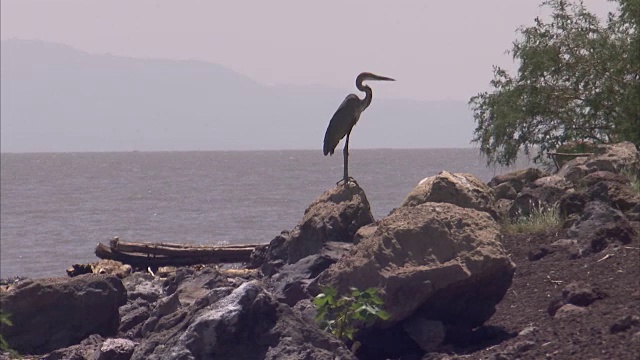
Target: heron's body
<point x="347" y="116"/>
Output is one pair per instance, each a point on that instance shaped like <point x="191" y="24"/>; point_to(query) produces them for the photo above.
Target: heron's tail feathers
<point x="329" y="146"/>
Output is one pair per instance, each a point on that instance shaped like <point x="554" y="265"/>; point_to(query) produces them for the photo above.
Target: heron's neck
<point x="368" y="94"/>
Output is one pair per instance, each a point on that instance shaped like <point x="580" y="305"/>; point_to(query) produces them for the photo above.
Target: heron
<point x="346" y="117"/>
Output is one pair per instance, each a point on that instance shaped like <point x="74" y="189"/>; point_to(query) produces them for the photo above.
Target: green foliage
<point x="634" y="178"/>
<point x="540" y="219"/>
<point x="578" y="80"/>
<point x="341" y="315"/>
<point x="4" y="320"/>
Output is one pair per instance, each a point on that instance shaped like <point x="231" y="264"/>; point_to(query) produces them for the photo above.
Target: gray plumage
<point x="347" y="116"/>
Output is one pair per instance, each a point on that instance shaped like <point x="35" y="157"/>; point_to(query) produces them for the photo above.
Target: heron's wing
<point x="341" y="123"/>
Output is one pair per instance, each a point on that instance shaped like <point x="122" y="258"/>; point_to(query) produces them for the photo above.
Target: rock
<point x="620" y="196"/>
<point x="115" y="349"/>
<point x="502" y="207"/>
<point x="600" y="176"/>
<point x="625" y="323"/>
<point x="514" y="351"/>
<point x="306" y="310"/>
<point x="520" y="347"/>
<point x="569" y="246"/>
<point x="248" y="323"/>
<point x="574" y="170"/>
<point x="428" y="334"/>
<point x="79" y="269"/>
<point x="529" y="330"/>
<point x="132" y="316"/>
<point x="335" y="216"/>
<point x="463" y="190"/>
<point x="364" y="232"/>
<point x="289" y="284"/>
<point x="545" y="194"/>
<point x="101" y="267"/>
<point x="600" y="225"/>
<point x="581" y="294"/>
<point x="112" y="267"/>
<point x="158" y="318"/>
<point x="63" y="307"/>
<point x="569" y="310"/>
<point x="191" y="285"/>
<point x="85" y="350"/>
<point x="518" y="179"/>
<point x="611" y="158"/>
<point x="572" y="203"/>
<point x="144" y="286"/>
<point x="551" y="181"/>
<point x="505" y="191"/>
<point x="438" y="260"/>
<point x="539" y="253"/>
<point x="576" y="294"/>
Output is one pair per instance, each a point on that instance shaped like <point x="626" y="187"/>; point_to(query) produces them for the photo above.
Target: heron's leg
<point x="345" y="152"/>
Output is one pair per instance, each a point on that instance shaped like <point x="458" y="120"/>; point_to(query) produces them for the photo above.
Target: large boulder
<point x="335" y="216"/>
<point x="610" y="157"/>
<point x="49" y="314"/>
<point x="245" y="323"/>
<point x="436" y="259"/>
<point x="464" y="190"/>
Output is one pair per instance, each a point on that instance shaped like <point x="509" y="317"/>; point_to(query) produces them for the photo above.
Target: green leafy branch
<point x="341" y="315"/>
<point x="4" y="320"/>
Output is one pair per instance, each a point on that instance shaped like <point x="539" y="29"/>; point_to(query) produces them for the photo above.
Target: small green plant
<point x="341" y="315"/>
<point x="539" y="219"/>
<point x="634" y="178"/>
<point x="4" y="320"/>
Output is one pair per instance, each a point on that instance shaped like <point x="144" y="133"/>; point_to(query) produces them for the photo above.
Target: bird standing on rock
<point x="346" y="117"/>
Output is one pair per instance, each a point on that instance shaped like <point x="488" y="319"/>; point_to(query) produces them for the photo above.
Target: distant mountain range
<point x="57" y="98"/>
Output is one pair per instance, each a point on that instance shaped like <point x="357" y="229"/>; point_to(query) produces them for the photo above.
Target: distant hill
<point x="57" y="98"/>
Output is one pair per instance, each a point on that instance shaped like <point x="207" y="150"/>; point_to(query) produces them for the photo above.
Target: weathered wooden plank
<point x="163" y="254"/>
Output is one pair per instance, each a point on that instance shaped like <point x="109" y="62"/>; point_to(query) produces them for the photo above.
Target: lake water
<point x="55" y="207"/>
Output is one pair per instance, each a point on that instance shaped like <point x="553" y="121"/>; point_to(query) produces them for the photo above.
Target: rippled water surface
<point x="56" y="207"/>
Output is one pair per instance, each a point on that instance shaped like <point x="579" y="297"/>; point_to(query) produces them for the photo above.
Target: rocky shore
<point x="455" y="284"/>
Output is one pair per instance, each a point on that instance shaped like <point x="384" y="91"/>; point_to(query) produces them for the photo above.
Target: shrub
<point x="4" y="320"/>
<point x="540" y="218"/>
<point x="340" y="316"/>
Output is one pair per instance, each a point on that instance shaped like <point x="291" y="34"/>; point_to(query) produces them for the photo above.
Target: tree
<point x="578" y="80"/>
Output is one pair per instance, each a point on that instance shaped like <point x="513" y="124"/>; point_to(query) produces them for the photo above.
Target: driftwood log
<point x="144" y="254"/>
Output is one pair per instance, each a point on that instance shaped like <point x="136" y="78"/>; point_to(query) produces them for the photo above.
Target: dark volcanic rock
<point x="572" y="203"/>
<point x="575" y="297"/>
<point x="335" y="216"/>
<point x="49" y="314"/>
<point x="246" y="324"/>
<point x="581" y="294"/>
<point x="600" y="225"/>
<point x="289" y="284"/>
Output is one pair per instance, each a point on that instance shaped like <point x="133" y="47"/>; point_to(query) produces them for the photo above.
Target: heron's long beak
<point x="378" y="77"/>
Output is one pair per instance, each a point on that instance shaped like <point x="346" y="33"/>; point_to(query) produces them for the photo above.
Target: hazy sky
<point x="435" y="49"/>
